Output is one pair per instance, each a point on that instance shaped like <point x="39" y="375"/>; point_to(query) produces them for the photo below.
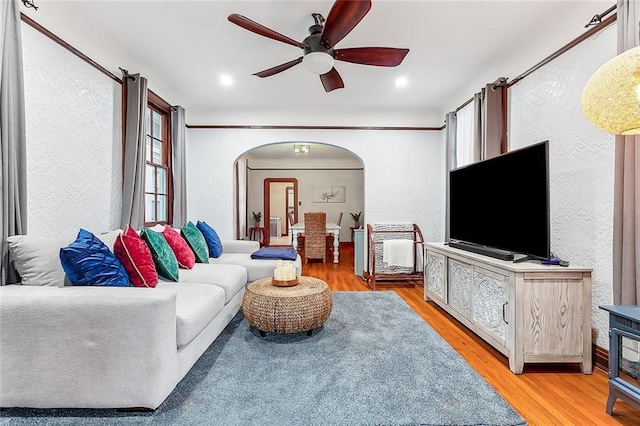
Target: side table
<point x="257" y="231"/>
<point x="303" y="307"/>
<point x="624" y="356"/>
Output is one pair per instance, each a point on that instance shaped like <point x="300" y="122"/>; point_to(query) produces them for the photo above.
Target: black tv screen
<point x="503" y="203"/>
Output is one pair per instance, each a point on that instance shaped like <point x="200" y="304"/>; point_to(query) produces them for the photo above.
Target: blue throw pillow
<point x="88" y="261"/>
<point x="212" y="239"/>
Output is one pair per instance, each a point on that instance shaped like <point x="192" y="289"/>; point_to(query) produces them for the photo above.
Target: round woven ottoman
<point x="303" y="307"/>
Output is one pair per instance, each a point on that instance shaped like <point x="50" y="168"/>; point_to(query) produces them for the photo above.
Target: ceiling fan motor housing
<point x="313" y="41"/>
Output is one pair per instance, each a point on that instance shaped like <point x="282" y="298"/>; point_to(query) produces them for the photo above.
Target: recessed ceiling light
<point x="226" y="80"/>
<point x="401" y="81"/>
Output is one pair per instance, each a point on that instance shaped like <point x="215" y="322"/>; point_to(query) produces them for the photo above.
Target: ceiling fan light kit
<point x="318" y="62"/>
<point x="611" y="97"/>
<point x="318" y="48"/>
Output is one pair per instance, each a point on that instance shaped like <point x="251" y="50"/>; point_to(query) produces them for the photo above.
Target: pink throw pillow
<point x="135" y="256"/>
<point x="184" y="254"/>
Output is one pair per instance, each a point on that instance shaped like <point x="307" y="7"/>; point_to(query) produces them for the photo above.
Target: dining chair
<point x="315" y="231"/>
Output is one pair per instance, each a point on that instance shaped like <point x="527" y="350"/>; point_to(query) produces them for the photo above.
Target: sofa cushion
<point x="88" y="261"/>
<point x="163" y="257"/>
<point x="135" y="256"/>
<point x="37" y="259"/>
<point x="196" y="241"/>
<point x="185" y="256"/>
<point x="109" y="237"/>
<point x="232" y="278"/>
<point x="256" y="268"/>
<point x="196" y="305"/>
<point x="211" y="237"/>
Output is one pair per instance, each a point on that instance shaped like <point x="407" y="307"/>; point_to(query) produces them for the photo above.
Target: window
<point x="158" y="192"/>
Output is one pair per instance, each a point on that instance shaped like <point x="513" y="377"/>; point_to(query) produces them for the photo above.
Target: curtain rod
<point x="500" y="82"/>
<point x="597" y="19"/>
<point x="598" y="26"/>
<point x="604" y="24"/>
<point x="27" y="20"/>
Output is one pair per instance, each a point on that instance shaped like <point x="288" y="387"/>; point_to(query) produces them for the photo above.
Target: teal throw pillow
<point x="163" y="257"/>
<point x="212" y="239"/>
<point x="196" y="241"/>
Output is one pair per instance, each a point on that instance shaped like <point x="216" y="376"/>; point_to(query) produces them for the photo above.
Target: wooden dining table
<point x="334" y="228"/>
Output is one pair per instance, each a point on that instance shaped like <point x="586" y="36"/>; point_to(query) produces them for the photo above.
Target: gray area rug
<point x="374" y="362"/>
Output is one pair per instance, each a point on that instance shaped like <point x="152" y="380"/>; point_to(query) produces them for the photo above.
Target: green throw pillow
<point x="196" y="241"/>
<point x="163" y="257"/>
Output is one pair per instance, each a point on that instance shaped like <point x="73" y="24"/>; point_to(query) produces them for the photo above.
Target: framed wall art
<point x="329" y="194"/>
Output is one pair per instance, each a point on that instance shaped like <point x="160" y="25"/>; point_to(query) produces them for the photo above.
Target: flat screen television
<point x="500" y="207"/>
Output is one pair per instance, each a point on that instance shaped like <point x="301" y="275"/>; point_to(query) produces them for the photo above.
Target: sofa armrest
<point x="87" y="346"/>
<point x="240" y="246"/>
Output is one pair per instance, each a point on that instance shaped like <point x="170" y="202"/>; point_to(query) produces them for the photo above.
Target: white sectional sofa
<point x="112" y="347"/>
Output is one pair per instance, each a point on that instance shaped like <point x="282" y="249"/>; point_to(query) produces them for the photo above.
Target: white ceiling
<point x="182" y="47"/>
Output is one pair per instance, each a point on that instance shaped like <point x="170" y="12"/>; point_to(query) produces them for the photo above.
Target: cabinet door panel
<point x="460" y="287"/>
<point x="554" y="316"/>
<point x="435" y="280"/>
<point x="489" y="297"/>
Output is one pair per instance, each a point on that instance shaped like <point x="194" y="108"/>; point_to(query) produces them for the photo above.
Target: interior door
<point x="276" y="201"/>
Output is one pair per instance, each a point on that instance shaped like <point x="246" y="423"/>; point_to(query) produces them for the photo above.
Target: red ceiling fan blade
<point x="254" y="27"/>
<point x="343" y="17"/>
<point x="380" y="56"/>
<point x="332" y="80"/>
<point x="278" y="68"/>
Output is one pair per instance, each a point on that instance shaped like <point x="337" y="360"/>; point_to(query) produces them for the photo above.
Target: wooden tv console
<point x="532" y="313"/>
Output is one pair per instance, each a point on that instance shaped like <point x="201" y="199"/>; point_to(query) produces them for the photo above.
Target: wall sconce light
<point x="301" y="149"/>
<point x="611" y="97"/>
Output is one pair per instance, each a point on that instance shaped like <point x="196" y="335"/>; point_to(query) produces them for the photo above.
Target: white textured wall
<point x="74" y="149"/>
<point x="403" y="172"/>
<point x="546" y="105"/>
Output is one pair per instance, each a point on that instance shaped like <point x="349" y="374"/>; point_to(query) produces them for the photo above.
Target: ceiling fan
<point x="318" y="47"/>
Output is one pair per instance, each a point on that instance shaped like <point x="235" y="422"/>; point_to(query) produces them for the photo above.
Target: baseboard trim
<point x="601" y="358"/>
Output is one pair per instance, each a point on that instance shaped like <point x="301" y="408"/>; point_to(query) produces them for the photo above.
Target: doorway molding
<point x="266" y="194"/>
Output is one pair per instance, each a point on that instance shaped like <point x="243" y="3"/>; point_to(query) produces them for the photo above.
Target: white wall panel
<point x="403" y="172"/>
<point x="74" y="151"/>
<point x="546" y="105"/>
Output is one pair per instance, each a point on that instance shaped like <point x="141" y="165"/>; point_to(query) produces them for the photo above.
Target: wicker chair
<point x="315" y="231"/>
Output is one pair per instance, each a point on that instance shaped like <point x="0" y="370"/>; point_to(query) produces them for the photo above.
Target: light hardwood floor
<point x="546" y="394"/>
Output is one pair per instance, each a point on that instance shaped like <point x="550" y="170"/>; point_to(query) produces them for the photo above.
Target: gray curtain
<point x="626" y="211"/>
<point x="241" y="202"/>
<point x="478" y="135"/>
<point x="450" y="161"/>
<point x="12" y="135"/>
<point x="492" y="119"/>
<point x="134" y="152"/>
<point x="179" y="167"/>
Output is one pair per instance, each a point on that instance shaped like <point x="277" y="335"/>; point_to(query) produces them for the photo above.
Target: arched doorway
<point x="326" y="166"/>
